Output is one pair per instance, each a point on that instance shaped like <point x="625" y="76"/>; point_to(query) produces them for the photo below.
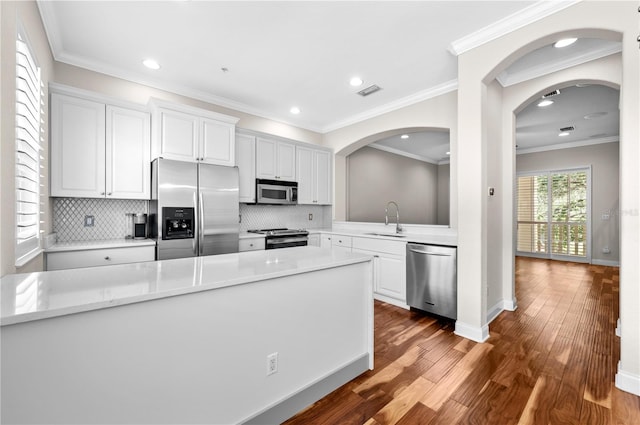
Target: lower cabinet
<point x="251" y="244"/>
<point x="314" y="240"/>
<point x="99" y="257"/>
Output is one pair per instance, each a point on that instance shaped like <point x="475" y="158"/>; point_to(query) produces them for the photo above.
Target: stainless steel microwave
<point x="276" y="192"/>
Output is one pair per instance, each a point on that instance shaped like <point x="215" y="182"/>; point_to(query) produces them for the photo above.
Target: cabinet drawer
<point x="250" y="244"/>
<point x="341" y="240"/>
<point x="381" y="245"/>
<point x="99" y="257"/>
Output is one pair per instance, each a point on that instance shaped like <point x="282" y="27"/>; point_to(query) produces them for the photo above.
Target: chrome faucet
<point x="386" y="216"/>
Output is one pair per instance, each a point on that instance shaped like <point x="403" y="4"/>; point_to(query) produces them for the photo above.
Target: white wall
<point x="477" y="68"/>
<point x="438" y="112"/>
<point x="604" y="162"/>
<point x="376" y="177"/>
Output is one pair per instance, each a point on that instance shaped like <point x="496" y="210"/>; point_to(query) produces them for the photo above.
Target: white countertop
<point x="100" y="244"/>
<point x="34" y="296"/>
<point x="425" y="238"/>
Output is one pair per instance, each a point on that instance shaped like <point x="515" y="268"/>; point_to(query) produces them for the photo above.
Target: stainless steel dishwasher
<point x="431" y="279"/>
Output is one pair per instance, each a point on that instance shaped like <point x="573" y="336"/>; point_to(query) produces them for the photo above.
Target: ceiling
<point x="264" y="57"/>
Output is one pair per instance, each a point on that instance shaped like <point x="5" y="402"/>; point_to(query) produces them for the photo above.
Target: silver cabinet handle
<point x="107" y="258"/>
<point x="109" y="194"/>
<point x="101" y="193"/>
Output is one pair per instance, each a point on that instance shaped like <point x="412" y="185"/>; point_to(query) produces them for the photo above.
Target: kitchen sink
<point x="393" y="235"/>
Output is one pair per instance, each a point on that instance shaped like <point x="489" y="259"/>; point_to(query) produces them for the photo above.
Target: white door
<point x="178" y="135"/>
<point x="217" y="144"/>
<point x="77" y="147"/>
<point x="128" y="144"/>
<point x="391" y="276"/>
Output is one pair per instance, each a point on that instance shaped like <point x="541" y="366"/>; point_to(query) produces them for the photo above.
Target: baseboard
<point x="286" y="408"/>
<point x="390" y="300"/>
<point x="474" y="333"/>
<point x="499" y="307"/>
<point x="627" y="381"/>
<point x="605" y="263"/>
<point x="618" y="328"/>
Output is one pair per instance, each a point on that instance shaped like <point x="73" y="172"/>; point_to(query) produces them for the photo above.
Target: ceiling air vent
<point x="369" y="90"/>
<point x="570" y="128"/>
<point x="551" y="94"/>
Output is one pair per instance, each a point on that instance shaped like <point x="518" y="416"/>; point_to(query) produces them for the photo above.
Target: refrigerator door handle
<point x="200" y="224"/>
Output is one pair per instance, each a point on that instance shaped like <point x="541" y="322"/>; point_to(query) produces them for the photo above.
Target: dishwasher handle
<point x="435" y="254"/>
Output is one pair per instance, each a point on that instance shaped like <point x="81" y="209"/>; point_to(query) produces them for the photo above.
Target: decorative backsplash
<point x="290" y="216"/>
<point x="109" y="220"/>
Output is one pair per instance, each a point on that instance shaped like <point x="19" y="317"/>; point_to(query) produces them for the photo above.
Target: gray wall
<point x="604" y="161"/>
<point x="376" y="177"/>
<point x="444" y="192"/>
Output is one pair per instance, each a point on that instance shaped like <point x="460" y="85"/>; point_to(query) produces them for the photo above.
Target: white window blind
<point x="29" y="137"/>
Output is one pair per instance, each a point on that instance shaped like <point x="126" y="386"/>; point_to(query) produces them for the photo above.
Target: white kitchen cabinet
<point x="314" y="240"/>
<point x="341" y="243"/>
<point x="325" y="240"/>
<point x="251" y="244"/>
<point x="275" y="159"/>
<point x="98" y="150"/>
<point x="313" y="169"/>
<point x="191" y="134"/>
<point x="98" y="257"/>
<point x="246" y="162"/>
<point x="389" y="268"/>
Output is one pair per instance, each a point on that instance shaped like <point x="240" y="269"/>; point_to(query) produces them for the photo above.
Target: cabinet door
<point x="305" y="172"/>
<point x="178" y="135"/>
<point x="246" y="162"/>
<point x="286" y="164"/>
<point x="128" y="154"/>
<point x="314" y="240"/>
<point x="217" y="142"/>
<point x="77" y="147"/>
<point x="322" y="177"/>
<point x="266" y="158"/>
<point x="326" y="241"/>
<point x="391" y="276"/>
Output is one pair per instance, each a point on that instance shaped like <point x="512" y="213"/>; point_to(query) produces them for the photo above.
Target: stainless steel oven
<point x="283" y="238"/>
<point x="276" y="192"/>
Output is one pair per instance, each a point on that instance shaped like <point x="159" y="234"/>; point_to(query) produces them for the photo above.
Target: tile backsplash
<point x="109" y="217"/>
<point x="109" y="220"/>
<point x="290" y="216"/>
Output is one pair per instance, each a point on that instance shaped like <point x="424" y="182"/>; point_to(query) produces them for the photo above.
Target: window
<point x="29" y="103"/>
<point x="553" y="214"/>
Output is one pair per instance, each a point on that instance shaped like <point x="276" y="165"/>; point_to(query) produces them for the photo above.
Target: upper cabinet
<point x="98" y="150"/>
<point x="275" y="159"/>
<point x="246" y="162"/>
<point x="192" y="134"/>
<point x="314" y="176"/>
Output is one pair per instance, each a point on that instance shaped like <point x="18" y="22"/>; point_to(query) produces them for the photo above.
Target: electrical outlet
<point x="272" y="363"/>
<point x="310" y="216"/>
<point x="606" y="250"/>
<point x="89" y="221"/>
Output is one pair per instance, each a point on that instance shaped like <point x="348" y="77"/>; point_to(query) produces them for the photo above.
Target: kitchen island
<point x="186" y="340"/>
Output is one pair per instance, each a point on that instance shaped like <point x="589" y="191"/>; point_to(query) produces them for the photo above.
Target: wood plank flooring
<point x="552" y="361"/>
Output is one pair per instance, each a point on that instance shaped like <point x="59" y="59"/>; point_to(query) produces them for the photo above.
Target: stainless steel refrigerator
<point x="194" y="208"/>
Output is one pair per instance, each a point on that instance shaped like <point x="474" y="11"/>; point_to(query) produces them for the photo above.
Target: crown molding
<point x="524" y="17"/>
<point x="569" y="145"/>
<point x="507" y="79"/>
<point x="50" y="23"/>
<point x="420" y="96"/>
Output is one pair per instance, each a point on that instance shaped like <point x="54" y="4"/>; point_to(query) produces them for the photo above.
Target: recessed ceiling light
<point x="564" y="134"/>
<point x="564" y="42"/>
<point x="404" y="136"/>
<point x="594" y="115"/>
<point x="295" y="110"/>
<point x="545" y="102"/>
<point x="151" y="64"/>
<point x="356" y="81"/>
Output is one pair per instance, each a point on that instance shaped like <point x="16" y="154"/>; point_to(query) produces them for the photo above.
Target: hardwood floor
<point x="552" y="361"/>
